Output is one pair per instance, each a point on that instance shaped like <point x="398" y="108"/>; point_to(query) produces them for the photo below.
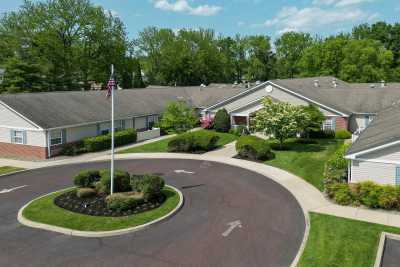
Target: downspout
<point x="48" y="143"/>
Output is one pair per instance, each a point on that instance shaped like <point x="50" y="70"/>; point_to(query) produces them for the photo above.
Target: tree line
<point x="69" y="44"/>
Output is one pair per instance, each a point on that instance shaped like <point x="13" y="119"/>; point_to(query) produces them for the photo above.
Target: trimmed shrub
<point x="306" y="141"/>
<point x="369" y="194"/>
<point x="73" y="149"/>
<point x="222" y="121"/>
<point x="342" y="134"/>
<point x="342" y="194"/>
<point x="275" y="145"/>
<point x="103" y="142"/>
<point x="85" y="192"/>
<point x="390" y="197"/>
<point x="122" y="202"/>
<point x="86" y="178"/>
<point x="322" y="134"/>
<point x="150" y="185"/>
<point x="198" y="141"/>
<point x="253" y="148"/>
<point x="122" y="181"/>
<point x="239" y="130"/>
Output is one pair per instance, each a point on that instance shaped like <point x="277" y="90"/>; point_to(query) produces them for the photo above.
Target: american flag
<point x="110" y="86"/>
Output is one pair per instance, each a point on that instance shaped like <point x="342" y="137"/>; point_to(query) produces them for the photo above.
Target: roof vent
<point x="316" y="83"/>
<point x="203" y="85"/>
<point x="372" y="85"/>
<point x="335" y="83"/>
<point x="383" y="84"/>
<point x="258" y="82"/>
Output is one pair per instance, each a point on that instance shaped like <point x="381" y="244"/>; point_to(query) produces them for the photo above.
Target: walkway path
<point x="228" y="151"/>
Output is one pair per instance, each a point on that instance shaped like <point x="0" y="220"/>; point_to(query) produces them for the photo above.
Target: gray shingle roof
<point x="346" y="98"/>
<point x="384" y="129"/>
<point x="59" y="109"/>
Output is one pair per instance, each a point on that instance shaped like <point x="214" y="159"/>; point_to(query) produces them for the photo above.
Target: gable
<point x="11" y="119"/>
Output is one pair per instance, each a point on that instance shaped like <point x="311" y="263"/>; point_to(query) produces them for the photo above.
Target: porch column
<point x="248" y="122"/>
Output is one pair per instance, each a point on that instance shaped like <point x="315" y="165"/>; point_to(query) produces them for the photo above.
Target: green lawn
<point x="162" y="145"/>
<point x="45" y="211"/>
<point x="9" y="169"/>
<point x="340" y="242"/>
<point x="306" y="160"/>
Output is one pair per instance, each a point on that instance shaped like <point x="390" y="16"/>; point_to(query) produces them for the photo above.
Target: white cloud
<point x="315" y="17"/>
<point x="111" y="12"/>
<point x="340" y="3"/>
<point x="241" y="23"/>
<point x="183" y="6"/>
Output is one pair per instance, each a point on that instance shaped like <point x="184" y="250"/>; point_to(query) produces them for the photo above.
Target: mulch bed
<point x="96" y="205"/>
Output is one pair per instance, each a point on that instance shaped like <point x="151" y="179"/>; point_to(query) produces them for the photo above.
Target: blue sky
<point x="228" y="17"/>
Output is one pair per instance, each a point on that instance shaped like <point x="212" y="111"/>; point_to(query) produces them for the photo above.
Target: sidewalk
<point x="228" y="151"/>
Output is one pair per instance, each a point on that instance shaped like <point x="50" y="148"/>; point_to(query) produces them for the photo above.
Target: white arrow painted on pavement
<point x="12" y="189"/>
<point x="183" y="171"/>
<point x="232" y="226"/>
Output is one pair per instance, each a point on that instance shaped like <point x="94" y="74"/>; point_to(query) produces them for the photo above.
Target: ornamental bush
<point x="239" y="130"/>
<point x="254" y="148"/>
<point x="122" y="202"/>
<point x="327" y="134"/>
<point x="198" y="141"/>
<point x="122" y="181"/>
<point x="150" y="185"/>
<point x="222" y="121"/>
<point x="342" y="134"/>
<point x="103" y="142"/>
<point x="85" y="192"/>
<point x="86" y="178"/>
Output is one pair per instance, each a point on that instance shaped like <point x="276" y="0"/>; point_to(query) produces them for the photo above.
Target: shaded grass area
<point x="335" y="241"/>
<point x="45" y="211"/>
<point x="306" y="160"/>
<point x="162" y="145"/>
<point x="9" y="169"/>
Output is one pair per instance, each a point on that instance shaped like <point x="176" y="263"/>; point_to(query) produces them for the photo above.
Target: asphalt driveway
<point x="216" y="194"/>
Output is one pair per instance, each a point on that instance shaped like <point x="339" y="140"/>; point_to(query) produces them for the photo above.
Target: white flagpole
<point x="112" y="132"/>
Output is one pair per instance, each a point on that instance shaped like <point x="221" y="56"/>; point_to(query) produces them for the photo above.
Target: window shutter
<point x="123" y="124"/>
<point x="334" y="123"/>
<point x="12" y="134"/>
<point x="98" y="128"/>
<point x="133" y="123"/>
<point x="24" y="137"/>
<point x="64" y="136"/>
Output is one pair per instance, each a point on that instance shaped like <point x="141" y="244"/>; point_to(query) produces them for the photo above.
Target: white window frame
<point x="56" y="138"/>
<point x="15" y="137"/>
<point x="327" y="125"/>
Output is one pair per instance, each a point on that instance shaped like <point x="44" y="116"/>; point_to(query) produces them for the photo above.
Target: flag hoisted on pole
<point x="110" y="92"/>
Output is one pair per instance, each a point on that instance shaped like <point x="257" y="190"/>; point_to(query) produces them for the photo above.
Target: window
<point x="56" y="137"/>
<point x="18" y="137"/>
<point x="328" y="125"/>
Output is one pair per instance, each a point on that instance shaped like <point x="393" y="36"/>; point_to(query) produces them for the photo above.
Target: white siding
<point x="9" y="118"/>
<point x="381" y="173"/>
<point x="33" y="138"/>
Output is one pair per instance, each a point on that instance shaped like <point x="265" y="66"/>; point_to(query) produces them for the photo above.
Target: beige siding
<point x="140" y="123"/>
<point x="276" y="93"/>
<point x="381" y="173"/>
<point x="10" y="119"/>
<point x="33" y="138"/>
<point x="78" y="133"/>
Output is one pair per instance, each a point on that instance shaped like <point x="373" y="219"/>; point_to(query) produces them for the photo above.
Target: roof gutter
<point x="366" y="151"/>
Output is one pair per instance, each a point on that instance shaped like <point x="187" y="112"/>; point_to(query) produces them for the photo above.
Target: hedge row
<point x="103" y="142"/>
<point x="193" y="142"/>
<point x="254" y="148"/>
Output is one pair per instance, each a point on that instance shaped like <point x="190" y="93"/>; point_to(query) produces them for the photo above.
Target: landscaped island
<point x="138" y="200"/>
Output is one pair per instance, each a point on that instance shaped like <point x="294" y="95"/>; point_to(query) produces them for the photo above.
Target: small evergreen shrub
<point x="253" y="148"/>
<point x="103" y="142"/>
<point x="342" y="134"/>
<point x="342" y="194"/>
<point x="327" y="134"/>
<point x="85" y="192"/>
<point x="73" y="149"/>
<point x="198" y="141"/>
<point x="222" y="121"/>
<point x="306" y="141"/>
<point x="369" y="194"/>
<point x="86" y="178"/>
<point x="122" y="181"/>
<point x="122" y="202"/>
<point x="150" y="185"/>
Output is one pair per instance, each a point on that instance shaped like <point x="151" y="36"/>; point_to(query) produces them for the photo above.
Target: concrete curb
<point x="381" y="247"/>
<point x="71" y="232"/>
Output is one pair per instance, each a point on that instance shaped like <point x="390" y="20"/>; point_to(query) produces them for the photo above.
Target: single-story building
<point x="375" y="155"/>
<point x="38" y="125"/>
